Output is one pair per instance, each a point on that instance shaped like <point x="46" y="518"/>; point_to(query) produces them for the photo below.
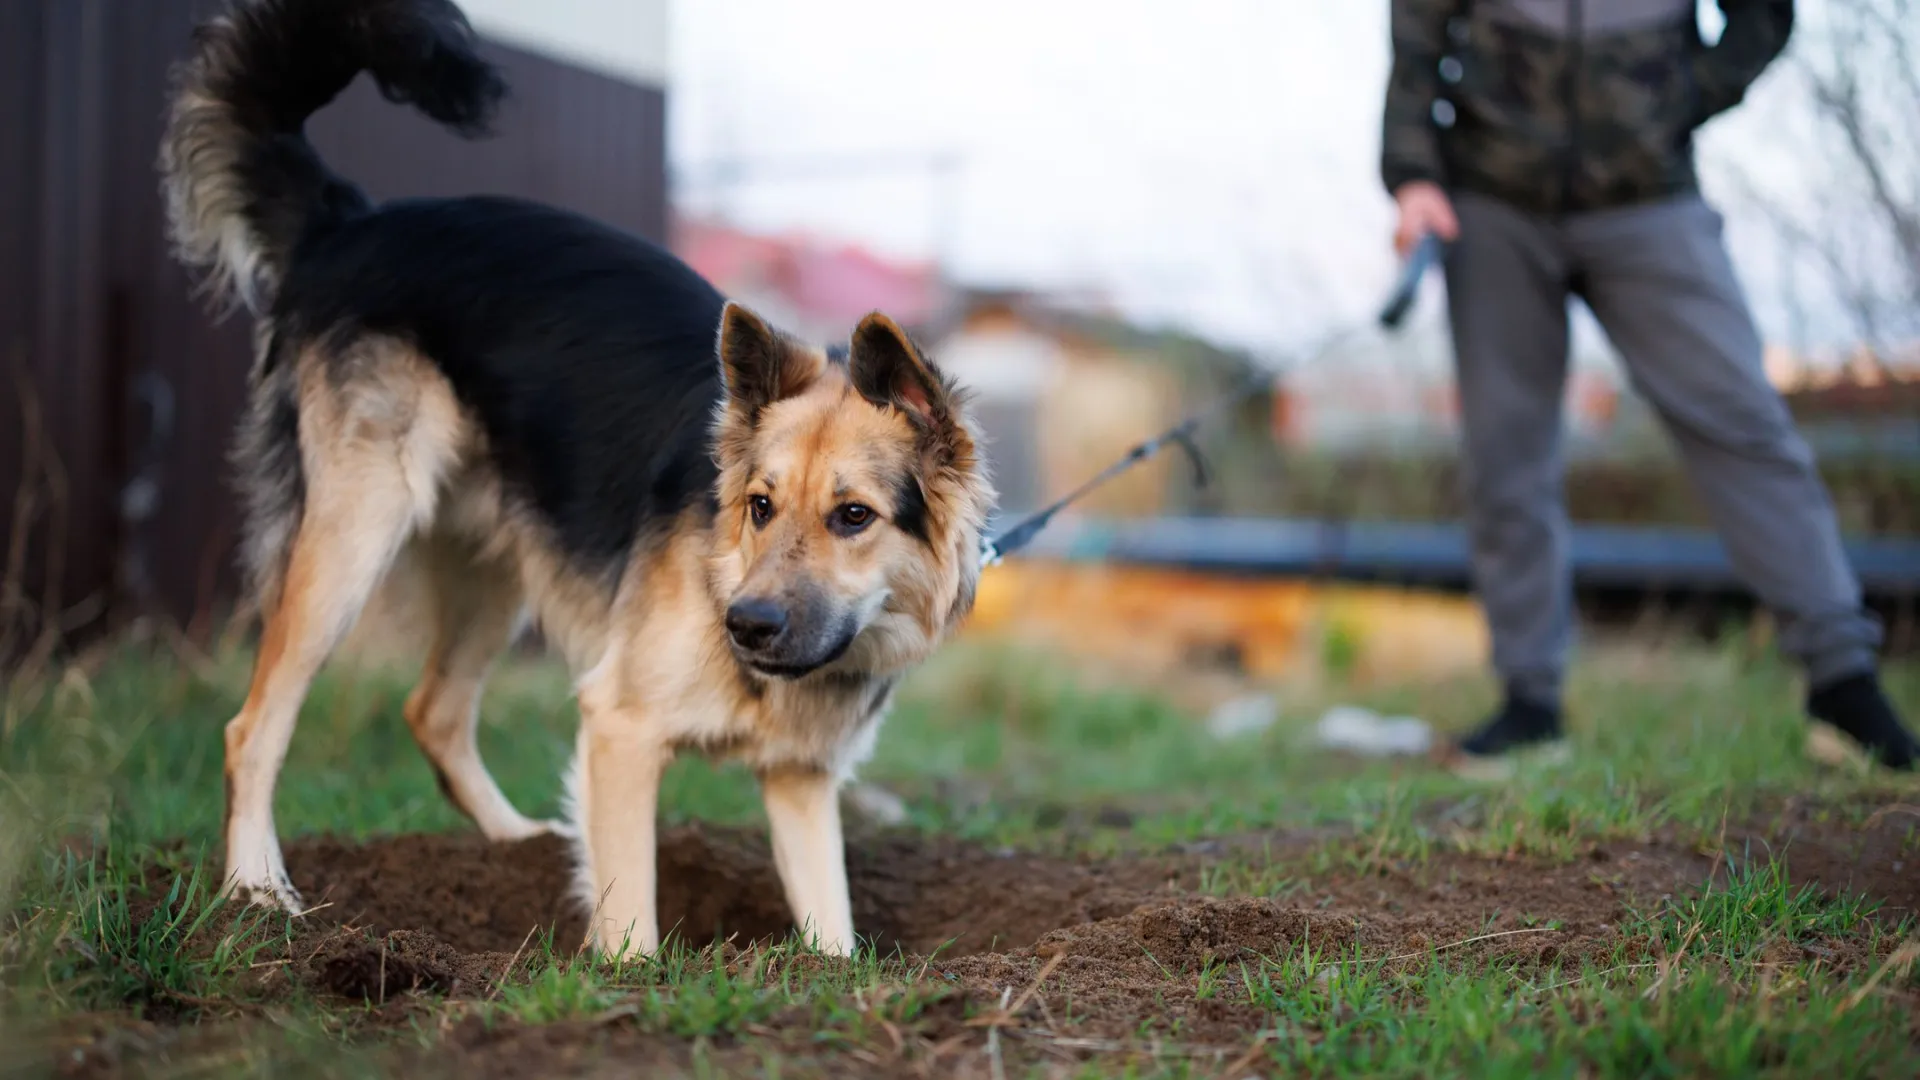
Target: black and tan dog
<point x="737" y="557"/>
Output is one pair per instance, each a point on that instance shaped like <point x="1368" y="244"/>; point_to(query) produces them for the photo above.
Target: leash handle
<point x="1425" y="254"/>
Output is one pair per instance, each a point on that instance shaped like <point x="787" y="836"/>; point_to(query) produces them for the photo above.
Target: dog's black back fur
<point x="586" y="354"/>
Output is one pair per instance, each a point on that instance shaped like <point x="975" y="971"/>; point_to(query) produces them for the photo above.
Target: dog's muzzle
<point x="773" y="639"/>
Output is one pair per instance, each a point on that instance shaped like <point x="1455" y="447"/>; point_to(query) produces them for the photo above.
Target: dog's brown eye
<point x="760" y="508"/>
<point x="850" y="519"/>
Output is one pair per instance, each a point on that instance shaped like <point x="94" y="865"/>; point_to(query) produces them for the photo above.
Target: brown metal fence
<point x="117" y="389"/>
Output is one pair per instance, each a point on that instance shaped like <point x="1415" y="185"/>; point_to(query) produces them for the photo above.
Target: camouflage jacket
<point x="1565" y="105"/>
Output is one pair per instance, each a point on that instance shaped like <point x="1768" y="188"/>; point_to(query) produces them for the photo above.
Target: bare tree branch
<point x="1855" y="224"/>
<point x="1825" y="249"/>
<point x="1837" y="96"/>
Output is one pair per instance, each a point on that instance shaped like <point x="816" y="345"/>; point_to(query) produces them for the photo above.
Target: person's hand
<point x="1424" y="208"/>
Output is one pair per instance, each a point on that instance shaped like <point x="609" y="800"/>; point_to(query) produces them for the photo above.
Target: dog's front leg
<point x="616" y="795"/>
<point x="803" y="807"/>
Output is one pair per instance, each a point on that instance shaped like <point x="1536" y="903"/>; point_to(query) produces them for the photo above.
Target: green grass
<point x="1755" y="906"/>
<point x="1495" y="1025"/>
<point x="110" y="789"/>
<point x="1704" y="735"/>
<point x="1645" y="1010"/>
<point x="694" y="993"/>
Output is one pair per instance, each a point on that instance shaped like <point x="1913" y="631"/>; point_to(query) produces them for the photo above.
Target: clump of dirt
<point x="1189" y="936"/>
<point x="400" y="962"/>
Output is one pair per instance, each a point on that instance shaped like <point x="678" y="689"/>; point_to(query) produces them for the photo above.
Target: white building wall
<point x="623" y="39"/>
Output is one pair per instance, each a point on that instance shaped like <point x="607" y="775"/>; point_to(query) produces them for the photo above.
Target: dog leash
<point x="1406" y="289"/>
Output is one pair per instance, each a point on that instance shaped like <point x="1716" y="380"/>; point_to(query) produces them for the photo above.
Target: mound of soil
<point x="434" y="899"/>
<point x="918" y="894"/>
<point x="402" y="962"/>
<point x="1121" y="946"/>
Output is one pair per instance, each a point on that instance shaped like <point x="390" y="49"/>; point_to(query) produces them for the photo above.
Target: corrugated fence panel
<point x="21" y="31"/>
<point x="57" y="514"/>
<point x="184" y="370"/>
<point x="139" y="385"/>
<point x="570" y="137"/>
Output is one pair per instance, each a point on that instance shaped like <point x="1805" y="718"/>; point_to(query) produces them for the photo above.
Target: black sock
<point x="1857" y="706"/>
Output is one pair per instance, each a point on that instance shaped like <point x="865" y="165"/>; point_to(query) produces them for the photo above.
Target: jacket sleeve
<point x="1409" y="144"/>
<point x="1756" y="31"/>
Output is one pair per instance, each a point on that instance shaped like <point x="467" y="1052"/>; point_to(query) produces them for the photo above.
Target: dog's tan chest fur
<point x="666" y="664"/>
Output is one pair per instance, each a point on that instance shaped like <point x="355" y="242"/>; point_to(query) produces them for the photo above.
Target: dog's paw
<point x="526" y="829"/>
<point x="560" y="827"/>
<point x="275" y="892"/>
<point x="877" y="804"/>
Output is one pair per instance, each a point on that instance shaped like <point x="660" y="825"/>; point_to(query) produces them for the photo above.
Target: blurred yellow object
<point x="1148" y="622"/>
<point x="1159" y="620"/>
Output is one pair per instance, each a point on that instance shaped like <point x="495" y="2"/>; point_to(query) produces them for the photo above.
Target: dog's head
<point x="851" y="501"/>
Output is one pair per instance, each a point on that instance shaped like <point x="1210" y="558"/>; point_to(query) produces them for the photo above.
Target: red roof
<point x="836" y="283"/>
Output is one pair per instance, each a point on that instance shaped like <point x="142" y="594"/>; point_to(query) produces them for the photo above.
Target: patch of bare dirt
<point x="1118" y="946"/>
<point x="1872" y="850"/>
<point x="1180" y="961"/>
<point x="916" y="893"/>
<point x="474" y="1050"/>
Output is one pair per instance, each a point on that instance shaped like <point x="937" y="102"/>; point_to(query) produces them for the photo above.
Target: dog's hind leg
<point x="338" y="556"/>
<point x="374" y="455"/>
<point x="478" y="611"/>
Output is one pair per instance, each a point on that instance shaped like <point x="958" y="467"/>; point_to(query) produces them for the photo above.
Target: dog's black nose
<point x="755" y="624"/>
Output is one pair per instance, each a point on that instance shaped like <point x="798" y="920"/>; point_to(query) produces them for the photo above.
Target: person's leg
<point x="1660" y="281"/>
<point x="1507" y="301"/>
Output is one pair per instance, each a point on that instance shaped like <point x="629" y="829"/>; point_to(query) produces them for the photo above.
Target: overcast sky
<point x="1210" y="163"/>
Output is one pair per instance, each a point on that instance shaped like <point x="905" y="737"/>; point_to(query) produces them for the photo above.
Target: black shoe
<point x="1857" y="706"/>
<point x="1522" y="729"/>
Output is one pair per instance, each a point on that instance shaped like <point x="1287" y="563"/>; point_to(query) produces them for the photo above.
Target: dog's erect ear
<point x="759" y="364"/>
<point x="888" y="371"/>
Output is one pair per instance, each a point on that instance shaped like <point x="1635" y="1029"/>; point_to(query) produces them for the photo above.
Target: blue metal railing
<point x="1602" y="555"/>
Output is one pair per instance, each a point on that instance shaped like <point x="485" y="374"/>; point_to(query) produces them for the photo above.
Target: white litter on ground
<point x="1248" y="714"/>
<point x="1363" y="731"/>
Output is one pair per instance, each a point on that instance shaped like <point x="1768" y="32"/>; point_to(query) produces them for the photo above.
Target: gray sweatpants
<point x="1659" y="280"/>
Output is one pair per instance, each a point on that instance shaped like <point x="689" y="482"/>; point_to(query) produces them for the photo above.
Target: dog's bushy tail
<point x="242" y="183"/>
